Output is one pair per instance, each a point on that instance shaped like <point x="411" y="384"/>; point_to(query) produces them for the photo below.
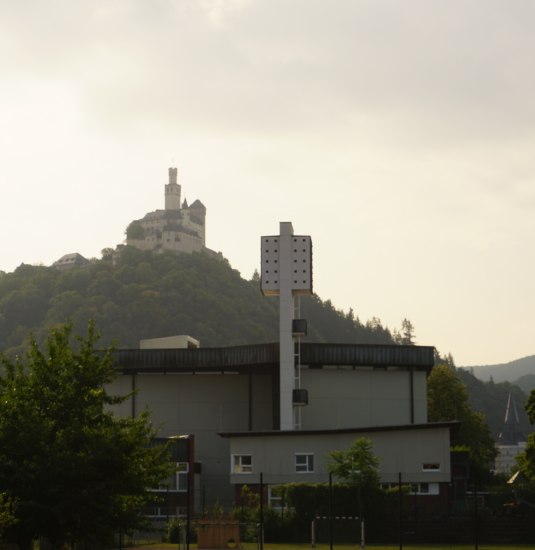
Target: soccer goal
<point x="350" y="528"/>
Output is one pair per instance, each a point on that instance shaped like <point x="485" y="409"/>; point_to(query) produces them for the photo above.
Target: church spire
<point x="511" y="433"/>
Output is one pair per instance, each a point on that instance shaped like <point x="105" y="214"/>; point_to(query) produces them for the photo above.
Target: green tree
<point x="7" y="515"/>
<point x="405" y="336"/>
<point x="356" y="465"/>
<point x="77" y="472"/>
<point x="526" y="460"/>
<point x="447" y="400"/>
<point x="135" y="231"/>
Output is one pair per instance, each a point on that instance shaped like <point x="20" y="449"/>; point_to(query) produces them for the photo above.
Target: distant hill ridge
<point x="520" y="372"/>
<point x="134" y="294"/>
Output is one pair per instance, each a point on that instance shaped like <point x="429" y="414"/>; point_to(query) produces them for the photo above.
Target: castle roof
<point x="198" y="204"/>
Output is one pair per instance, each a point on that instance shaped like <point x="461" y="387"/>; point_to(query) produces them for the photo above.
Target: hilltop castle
<point x="177" y="228"/>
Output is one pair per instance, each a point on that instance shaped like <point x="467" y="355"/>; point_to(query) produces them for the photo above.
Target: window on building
<point x="177" y="482"/>
<point x="431" y="489"/>
<point x="304" y="463"/>
<point x="242" y="464"/>
<point x="431" y="467"/>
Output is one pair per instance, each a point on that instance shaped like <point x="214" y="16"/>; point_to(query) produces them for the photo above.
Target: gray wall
<point x="347" y="398"/>
<point x="202" y="405"/>
<point x="398" y="450"/>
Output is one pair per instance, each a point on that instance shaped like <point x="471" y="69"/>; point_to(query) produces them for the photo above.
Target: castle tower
<point x="172" y="191"/>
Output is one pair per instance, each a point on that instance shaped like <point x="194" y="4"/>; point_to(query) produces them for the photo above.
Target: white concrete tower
<point x="172" y="191"/>
<point x="286" y="272"/>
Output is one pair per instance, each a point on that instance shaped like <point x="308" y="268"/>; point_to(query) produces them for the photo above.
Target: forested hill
<point x="491" y="398"/>
<point x="137" y="295"/>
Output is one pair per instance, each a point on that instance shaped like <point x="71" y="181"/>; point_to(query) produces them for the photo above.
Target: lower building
<point x="227" y="401"/>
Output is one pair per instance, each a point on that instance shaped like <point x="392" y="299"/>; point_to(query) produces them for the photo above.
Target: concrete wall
<point x="202" y="405"/>
<point x="347" y="398"/>
<point x="402" y="451"/>
<point x="206" y="404"/>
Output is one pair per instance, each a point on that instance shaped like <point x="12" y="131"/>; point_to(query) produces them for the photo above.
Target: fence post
<point x="400" y="513"/>
<point x="261" y="534"/>
<point x="330" y="510"/>
<point x="476" y="533"/>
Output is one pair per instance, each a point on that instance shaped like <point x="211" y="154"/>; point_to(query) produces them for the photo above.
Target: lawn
<point x="273" y="546"/>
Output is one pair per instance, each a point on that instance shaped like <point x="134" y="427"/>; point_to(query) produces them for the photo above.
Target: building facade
<point x="227" y="399"/>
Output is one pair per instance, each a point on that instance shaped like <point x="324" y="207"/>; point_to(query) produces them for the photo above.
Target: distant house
<point x="69" y="261"/>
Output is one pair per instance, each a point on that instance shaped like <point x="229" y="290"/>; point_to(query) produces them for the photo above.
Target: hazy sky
<point x="400" y="135"/>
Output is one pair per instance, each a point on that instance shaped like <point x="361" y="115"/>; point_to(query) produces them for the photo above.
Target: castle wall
<point x="175" y="229"/>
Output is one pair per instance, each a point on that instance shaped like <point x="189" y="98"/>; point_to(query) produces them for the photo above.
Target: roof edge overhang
<point x="451" y="425"/>
<point x="248" y="357"/>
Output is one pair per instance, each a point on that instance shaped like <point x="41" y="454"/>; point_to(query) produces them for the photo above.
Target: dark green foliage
<point x="145" y="295"/>
<point x="448" y="400"/>
<point x="527" y="459"/>
<point x="490" y="399"/>
<point x="327" y="324"/>
<point x="135" y="231"/>
<point x="7" y="512"/>
<point x="76" y="471"/>
<point x="356" y="465"/>
<point x="526" y="382"/>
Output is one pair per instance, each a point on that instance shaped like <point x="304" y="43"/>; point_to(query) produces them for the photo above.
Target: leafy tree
<point x="77" y="472"/>
<point x="526" y="460"/>
<point x="135" y="231"/>
<point x="447" y="400"/>
<point x="357" y="465"/>
<point x="405" y="336"/>
<point x="530" y="407"/>
<point x="7" y="516"/>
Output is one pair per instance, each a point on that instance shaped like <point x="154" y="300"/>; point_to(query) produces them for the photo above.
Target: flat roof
<point x="264" y="358"/>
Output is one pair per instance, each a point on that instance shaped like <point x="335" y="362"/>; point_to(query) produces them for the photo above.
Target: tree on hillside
<point x="447" y="400"/>
<point x="133" y="294"/>
<point x="406" y="335"/>
<point x="76" y="472"/>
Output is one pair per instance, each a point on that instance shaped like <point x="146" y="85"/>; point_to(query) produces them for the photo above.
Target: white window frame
<point x="430" y="466"/>
<point x="178" y="481"/>
<point x="238" y="466"/>
<point x="425" y="488"/>
<point x="307" y="467"/>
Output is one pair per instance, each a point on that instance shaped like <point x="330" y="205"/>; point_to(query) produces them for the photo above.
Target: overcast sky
<point x="400" y="135"/>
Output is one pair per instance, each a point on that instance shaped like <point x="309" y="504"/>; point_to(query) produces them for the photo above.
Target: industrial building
<point x="274" y="411"/>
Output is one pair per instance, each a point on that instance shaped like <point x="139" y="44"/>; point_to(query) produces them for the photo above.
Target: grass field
<point x="269" y="546"/>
